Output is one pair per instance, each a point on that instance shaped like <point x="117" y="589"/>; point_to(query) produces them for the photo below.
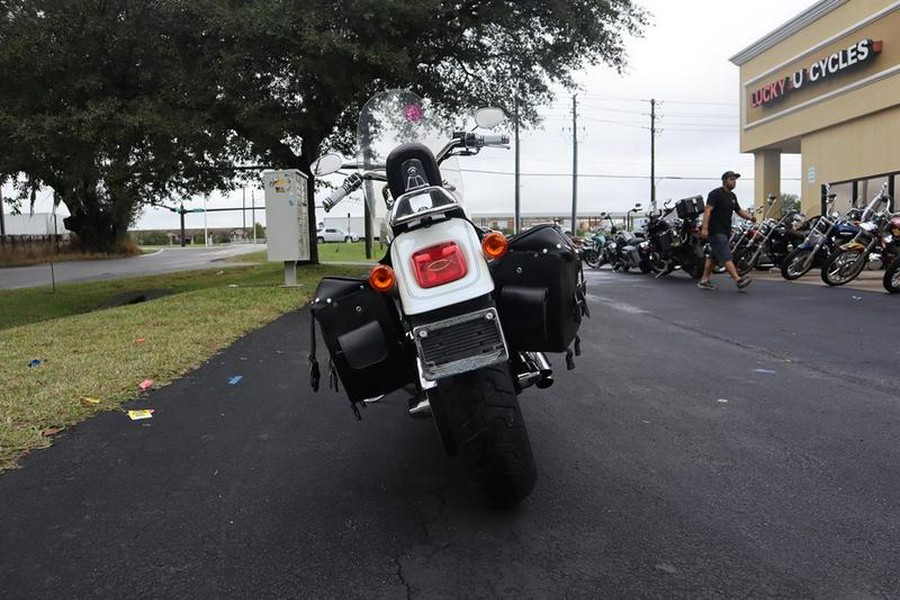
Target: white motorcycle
<point x="458" y="318"/>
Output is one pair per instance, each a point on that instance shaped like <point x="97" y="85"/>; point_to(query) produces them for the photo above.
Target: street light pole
<point x="574" y="159"/>
<point x="653" y="154"/>
<point x="517" y="220"/>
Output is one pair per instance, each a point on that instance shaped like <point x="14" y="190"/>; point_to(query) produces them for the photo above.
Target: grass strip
<point x="96" y="354"/>
<point x="328" y="253"/>
<point x="33" y="305"/>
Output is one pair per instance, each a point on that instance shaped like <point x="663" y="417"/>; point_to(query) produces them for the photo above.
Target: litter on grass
<point x="146" y="384"/>
<point x="234" y="380"/>
<point x="34" y="362"/>
<point x="139" y="341"/>
<point x="51" y="431"/>
<point x="88" y="401"/>
<point x="137" y="415"/>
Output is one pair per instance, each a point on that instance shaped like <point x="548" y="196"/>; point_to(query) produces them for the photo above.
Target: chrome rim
<point x="798" y="267"/>
<point x="843" y="268"/>
<point x="895" y="278"/>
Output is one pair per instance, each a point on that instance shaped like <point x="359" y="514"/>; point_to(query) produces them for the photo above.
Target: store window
<point x="859" y="193"/>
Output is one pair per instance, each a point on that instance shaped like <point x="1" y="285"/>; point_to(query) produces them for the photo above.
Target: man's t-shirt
<point x="723" y="203"/>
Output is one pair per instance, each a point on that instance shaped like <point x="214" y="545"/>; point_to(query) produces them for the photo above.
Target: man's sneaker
<point x="743" y="282"/>
<point x="707" y="285"/>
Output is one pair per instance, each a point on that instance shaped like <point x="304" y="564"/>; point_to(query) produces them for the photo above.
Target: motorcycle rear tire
<point x="592" y="259"/>
<point x="481" y="411"/>
<point x="892" y="277"/>
<point x="798" y="255"/>
<point x="645" y="267"/>
<point x="858" y="266"/>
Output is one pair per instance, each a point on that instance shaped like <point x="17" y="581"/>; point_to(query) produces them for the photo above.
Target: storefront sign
<point x="823" y="69"/>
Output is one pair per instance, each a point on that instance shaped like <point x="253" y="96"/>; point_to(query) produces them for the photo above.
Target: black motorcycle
<point x="677" y="243"/>
<point x="630" y="250"/>
<point x="457" y="318"/>
<point x="787" y="234"/>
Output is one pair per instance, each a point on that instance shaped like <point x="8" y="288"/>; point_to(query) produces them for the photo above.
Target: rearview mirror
<point x="489" y="117"/>
<point x="326" y="165"/>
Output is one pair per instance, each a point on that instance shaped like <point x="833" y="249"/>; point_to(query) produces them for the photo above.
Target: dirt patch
<point x="135" y="297"/>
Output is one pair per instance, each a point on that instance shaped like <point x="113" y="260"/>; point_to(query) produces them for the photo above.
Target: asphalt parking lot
<point x="708" y="444"/>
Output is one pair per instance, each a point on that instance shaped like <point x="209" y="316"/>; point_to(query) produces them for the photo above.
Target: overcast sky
<point x="682" y="62"/>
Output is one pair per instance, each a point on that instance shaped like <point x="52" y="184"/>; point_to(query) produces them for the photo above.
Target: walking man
<point x="720" y="204"/>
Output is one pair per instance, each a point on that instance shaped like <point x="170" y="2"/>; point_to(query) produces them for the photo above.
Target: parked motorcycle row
<point x="839" y="246"/>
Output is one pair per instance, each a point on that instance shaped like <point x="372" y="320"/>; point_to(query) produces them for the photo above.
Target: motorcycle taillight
<point x="439" y="265"/>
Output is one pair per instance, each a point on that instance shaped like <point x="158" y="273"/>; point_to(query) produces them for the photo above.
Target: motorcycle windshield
<point x="396" y="117"/>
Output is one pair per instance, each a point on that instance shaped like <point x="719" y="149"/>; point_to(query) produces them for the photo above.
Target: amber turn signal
<point x="494" y="245"/>
<point x="382" y="278"/>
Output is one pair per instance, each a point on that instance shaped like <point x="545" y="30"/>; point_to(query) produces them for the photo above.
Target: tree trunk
<point x="101" y="224"/>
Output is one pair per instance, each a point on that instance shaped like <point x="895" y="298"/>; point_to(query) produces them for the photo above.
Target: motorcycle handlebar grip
<point x="496" y="140"/>
<point x="333" y="198"/>
<point x="350" y="184"/>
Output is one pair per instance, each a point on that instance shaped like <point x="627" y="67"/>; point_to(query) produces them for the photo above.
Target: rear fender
<point x="415" y="299"/>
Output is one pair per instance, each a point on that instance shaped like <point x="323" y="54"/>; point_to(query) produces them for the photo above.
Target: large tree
<point x="121" y="103"/>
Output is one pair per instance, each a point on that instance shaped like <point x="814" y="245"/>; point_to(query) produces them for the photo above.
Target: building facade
<point x="826" y="85"/>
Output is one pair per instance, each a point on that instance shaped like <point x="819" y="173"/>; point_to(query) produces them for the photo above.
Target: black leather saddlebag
<point x="540" y="291"/>
<point x="364" y="337"/>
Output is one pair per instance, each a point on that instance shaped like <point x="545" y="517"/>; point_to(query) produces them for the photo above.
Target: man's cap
<point x="728" y="174"/>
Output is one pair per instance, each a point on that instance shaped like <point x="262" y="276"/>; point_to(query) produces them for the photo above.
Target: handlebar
<point x="494" y="140"/>
<point x="351" y="184"/>
<point x="462" y="139"/>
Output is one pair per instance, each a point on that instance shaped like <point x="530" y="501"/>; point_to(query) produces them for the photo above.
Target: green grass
<point x="349" y="252"/>
<point x="328" y="253"/>
<point x="93" y="353"/>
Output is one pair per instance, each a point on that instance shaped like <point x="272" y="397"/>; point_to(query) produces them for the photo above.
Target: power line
<point x="603" y="98"/>
<point x="609" y="175"/>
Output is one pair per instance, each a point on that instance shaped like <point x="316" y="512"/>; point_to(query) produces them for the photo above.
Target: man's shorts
<point x="721" y="252"/>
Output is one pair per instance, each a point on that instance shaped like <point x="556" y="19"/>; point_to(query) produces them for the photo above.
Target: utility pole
<point x="653" y="154"/>
<point x="244" y="211"/>
<point x="517" y="221"/>
<point x="574" y="159"/>
<point x="181" y="214"/>
<point x="253" y="211"/>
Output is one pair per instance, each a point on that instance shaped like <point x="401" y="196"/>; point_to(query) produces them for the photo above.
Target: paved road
<point x="708" y="445"/>
<point x="166" y="261"/>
